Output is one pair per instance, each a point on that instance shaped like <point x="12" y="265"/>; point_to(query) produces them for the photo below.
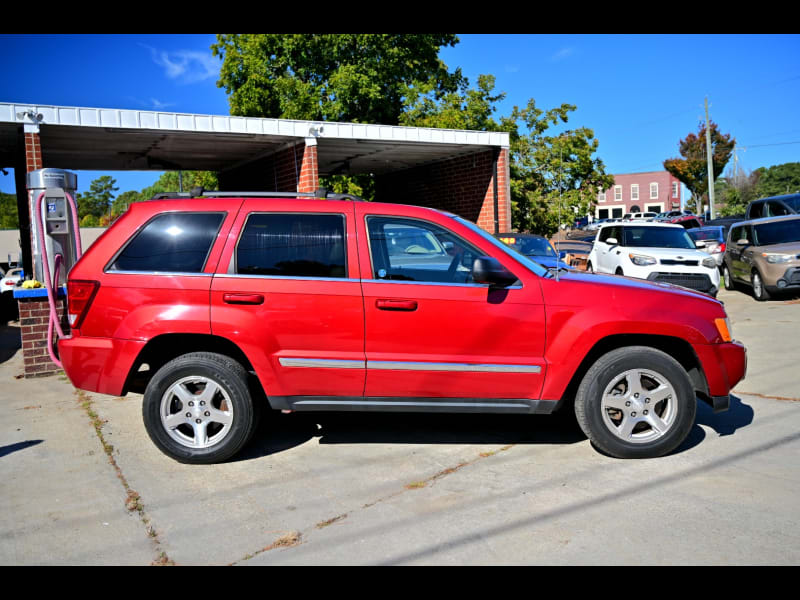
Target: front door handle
<point x="243" y="298"/>
<point x="407" y="305"/>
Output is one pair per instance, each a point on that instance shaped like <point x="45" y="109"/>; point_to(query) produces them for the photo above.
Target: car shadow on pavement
<point x="724" y="423"/>
<point x="279" y="432"/>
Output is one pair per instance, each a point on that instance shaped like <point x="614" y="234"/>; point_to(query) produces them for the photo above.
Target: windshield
<point x="657" y="237"/>
<point x="533" y="266"/>
<point x="533" y="246"/>
<point x="777" y="232"/>
<point x="706" y="234"/>
<point x="793" y="203"/>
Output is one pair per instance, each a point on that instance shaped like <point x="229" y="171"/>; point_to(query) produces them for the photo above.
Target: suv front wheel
<point x="198" y="408"/>
<point x="636" y="402"/>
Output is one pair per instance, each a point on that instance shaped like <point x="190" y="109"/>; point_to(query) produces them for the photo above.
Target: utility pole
<point x="710" y="166"/>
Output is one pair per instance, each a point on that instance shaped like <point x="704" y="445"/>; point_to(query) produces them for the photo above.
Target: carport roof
<point x="121" y="139"/>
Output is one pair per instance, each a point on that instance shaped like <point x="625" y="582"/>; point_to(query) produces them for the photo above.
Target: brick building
<point x="653" y="191"/>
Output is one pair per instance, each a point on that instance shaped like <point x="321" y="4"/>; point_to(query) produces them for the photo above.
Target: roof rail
<point x="199" y="192"/>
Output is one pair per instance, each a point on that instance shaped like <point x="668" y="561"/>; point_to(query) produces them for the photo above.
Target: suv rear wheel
<point x="636" y="402"/>
<point x="198" y="408"/>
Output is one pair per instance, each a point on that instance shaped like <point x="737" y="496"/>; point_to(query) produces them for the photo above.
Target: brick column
<point x="34" y="317"/>
<point x="308" y="180"/>
<point x="34" y="308"/>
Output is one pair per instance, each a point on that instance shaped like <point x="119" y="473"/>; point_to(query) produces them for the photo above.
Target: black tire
<point x="646" y="427"/>
<point x="198" y="409"/>
<point x="760" y="292"/>
<point x="589" y="268"/>
<point x="727" y="278"/>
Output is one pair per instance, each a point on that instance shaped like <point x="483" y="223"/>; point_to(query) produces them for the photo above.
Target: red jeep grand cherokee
<point x="214" y="307"/>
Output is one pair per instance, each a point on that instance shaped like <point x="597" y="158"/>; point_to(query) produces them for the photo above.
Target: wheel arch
<point x="677" y="348"/>
<point x="163" y="348"/>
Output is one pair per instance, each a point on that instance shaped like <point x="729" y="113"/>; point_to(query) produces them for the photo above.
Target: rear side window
<point x="756" y="210"/>
<point x="292" y="245"/>
<point x="171" y="243"/>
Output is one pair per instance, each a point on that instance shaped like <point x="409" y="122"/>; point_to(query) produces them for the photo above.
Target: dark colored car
<point x="774" y="206"/>
<point x="712" y="240"/>
<point x="536" y="247"/>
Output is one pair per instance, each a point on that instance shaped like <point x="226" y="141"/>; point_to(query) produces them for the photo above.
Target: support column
<point x="308" y="180"/>
<point x="34" y="308"/>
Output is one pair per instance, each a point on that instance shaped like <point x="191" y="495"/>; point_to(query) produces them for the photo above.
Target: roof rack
<point x="199" y="192"/>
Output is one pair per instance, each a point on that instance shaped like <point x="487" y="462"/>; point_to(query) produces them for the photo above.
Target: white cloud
<point x="186" y="66"/>
<point x="563" y="54"/>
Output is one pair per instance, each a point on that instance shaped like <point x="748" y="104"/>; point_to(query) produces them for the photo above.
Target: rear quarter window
<point x="170" y="243"/>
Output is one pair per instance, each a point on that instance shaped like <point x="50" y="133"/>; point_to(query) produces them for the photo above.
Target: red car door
<point x="433" y="336"/>
<point x="287" y="292"/>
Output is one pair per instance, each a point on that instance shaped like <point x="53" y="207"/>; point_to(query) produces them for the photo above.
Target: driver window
<point x="411" y="250"/>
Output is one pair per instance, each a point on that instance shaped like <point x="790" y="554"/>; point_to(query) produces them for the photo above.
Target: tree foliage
<point x="553" y="176"/>
<point x="360" y="78"/>
<point x="692" y="169"/>
<point x="779" y="179"/>
<point x="97" y="201"/>
<point x="9" y="218"/>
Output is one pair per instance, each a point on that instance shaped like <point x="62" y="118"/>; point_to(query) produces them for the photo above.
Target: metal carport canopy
<point x="121" y="139"/>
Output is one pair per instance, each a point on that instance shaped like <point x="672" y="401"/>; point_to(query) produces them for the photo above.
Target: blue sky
<point x="640" y="94"/>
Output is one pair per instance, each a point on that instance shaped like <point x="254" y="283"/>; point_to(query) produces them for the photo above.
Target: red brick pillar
<point x="486" y="218"/>
<point x="34" y="317"/>
<point x="34" y="308"/>
<point x="308" y="180"/>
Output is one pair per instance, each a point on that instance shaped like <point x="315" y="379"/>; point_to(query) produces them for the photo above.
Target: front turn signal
<point x="724" y="329"/>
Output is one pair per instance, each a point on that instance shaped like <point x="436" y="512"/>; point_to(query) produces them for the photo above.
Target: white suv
<point x="654" y="251"/>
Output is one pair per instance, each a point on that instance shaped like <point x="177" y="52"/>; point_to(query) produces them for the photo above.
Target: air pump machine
<point x="56" y="241"/>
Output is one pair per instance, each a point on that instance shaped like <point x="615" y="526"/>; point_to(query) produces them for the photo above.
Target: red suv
<point x="217" y="307"/>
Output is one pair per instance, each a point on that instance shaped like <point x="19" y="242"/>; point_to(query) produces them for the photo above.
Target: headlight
<point x="711" y="263"/>
<point x="641" y="260"/>
<point x="776" y="258"/>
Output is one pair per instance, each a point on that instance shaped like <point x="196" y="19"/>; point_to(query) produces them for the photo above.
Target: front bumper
<point x="724" y="366"/>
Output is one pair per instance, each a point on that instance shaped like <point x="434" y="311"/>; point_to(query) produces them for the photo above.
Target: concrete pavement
<point x="83" y="484"/>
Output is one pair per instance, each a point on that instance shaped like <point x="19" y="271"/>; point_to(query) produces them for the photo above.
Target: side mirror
<point x="486" y="269"/>
<point x="562" y="254"/>
<point x="742" y="242"/>
<point x="611" y="241"/>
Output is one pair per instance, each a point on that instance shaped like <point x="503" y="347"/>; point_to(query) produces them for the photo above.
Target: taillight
<point x="719" y="249"/>
<point x="79" y="296"/>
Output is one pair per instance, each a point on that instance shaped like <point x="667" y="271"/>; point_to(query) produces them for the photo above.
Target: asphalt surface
<point x="83" y="485"/>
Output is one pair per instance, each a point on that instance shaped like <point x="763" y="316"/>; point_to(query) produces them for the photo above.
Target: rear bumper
<point x="98" y="364"/>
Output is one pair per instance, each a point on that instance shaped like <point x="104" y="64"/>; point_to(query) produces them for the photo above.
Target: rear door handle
<point x="243" y="298"/>
<point x="385" y="304"/>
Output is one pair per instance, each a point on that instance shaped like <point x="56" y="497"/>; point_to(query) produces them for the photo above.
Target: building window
<point x="602" y="213"/>
<point x="634" y="192"/>
<point x="653" y="190"/>
<point x="674" y="190"/>
<point x="601" y="195"/>
<point x="616" y="213"/>
<point x="617" y="193"/>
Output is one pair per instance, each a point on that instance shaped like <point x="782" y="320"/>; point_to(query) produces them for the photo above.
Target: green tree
<point x="692" y="169"/>
<point x="779" y="179"/>
<point x="9" y="219"/>
<point x="170" y="181"/>
<point x="361" y="78"/>
<point x="552" y="175"/>
<point x="97" y="200"/>
<point x="124" y="200"/>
